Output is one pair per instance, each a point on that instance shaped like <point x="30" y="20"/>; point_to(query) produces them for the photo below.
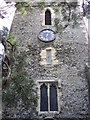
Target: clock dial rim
<point x="50" y="31"/>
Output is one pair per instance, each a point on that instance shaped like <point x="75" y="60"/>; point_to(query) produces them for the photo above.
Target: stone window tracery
<point x="49" y="94"/>
<point x="48" y="97"/>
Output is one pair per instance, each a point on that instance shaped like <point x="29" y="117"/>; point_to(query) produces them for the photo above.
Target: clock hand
<point x="47" y="35"/>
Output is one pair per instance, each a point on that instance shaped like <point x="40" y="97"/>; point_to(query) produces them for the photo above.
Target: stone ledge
<point x="86" y="118"/>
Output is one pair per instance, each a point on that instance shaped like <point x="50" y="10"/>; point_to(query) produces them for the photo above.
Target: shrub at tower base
<point x="19" y="96"/>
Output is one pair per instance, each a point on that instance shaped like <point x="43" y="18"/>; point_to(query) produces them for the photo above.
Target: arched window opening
<point x="47" y="17"/>
<point x="43" y="98"/>
<point x="53" y="98"/>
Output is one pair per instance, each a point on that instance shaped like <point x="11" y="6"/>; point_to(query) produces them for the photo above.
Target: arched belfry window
<point x="43" y="98"/>
<point x="47" y="17"/>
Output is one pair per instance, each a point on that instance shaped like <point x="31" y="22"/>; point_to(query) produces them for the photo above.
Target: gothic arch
<point x="50" y="11"/>
<point x="46" y="85"/>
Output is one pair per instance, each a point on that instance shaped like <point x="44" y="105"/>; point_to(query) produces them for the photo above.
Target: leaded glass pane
<point x="48" y="56"/>
<point x="53" y="98"/>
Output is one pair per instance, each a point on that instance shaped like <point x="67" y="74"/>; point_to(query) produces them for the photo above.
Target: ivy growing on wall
<point x="18" y="94"/>
<point x="21" y="6"/>
<point x="88" y="75"/>
<point x="69" y="16"/>
<point x="41" y="4"/>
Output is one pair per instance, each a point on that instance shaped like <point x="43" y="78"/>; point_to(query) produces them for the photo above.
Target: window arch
<point x="47" y="17"/>
<point x="46" y="13"/>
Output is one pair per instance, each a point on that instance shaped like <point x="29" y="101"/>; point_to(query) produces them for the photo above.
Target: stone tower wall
<point x="70" y="55"/>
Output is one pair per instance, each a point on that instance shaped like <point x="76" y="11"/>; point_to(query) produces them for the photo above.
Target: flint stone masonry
<point x="71" y="52"/>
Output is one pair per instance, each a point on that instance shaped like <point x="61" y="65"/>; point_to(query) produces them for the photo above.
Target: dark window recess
<point x="53" y="98"/>
<point x="43" y="98"/>
<point x="47" y="17"/>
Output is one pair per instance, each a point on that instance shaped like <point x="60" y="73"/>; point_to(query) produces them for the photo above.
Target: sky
<point x="10" y="8"/>
<point x="7" y="21"/>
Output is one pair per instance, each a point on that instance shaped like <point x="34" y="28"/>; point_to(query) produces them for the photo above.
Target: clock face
<point x="47" y="35"/>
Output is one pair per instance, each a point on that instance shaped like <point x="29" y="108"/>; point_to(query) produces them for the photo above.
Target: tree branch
<point x="8" y="74"/>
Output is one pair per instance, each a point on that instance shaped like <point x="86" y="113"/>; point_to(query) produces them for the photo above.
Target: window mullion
<point x="39" y="97"/>
<point x="48" y="97"/>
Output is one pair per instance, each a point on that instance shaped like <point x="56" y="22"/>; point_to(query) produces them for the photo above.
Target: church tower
<point x="56" y="60"/>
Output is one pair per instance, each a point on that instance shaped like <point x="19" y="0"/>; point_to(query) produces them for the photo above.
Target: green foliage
<point x="69" y="16"/>
<point x="59" y="27"/>
<point x="68" y="12"/>
<point x="52" y="3"/>
<point x="56" y="10"/>
<point x="21" y="6"/>
<point x="56" y="21"/>
<point x="19" y="92"/>
<point x="89" y="75"/>
<point x="30" y="4"/>
<point x="18" y="87"/>
<point x="41" y="4"/>
<point x="13" y="40"/>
